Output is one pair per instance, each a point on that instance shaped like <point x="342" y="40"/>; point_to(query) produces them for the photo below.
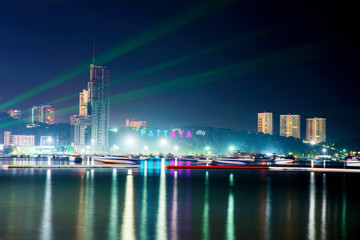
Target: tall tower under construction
<point x="94" y="112"/>
<point x="98" y="88"/>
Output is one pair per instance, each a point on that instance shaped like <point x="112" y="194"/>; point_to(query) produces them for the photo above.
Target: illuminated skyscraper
<point x="84" y="102"/>
<point x="316" y="130"/>
<point x="42" y="114"/>
<point x="290" y="126"/>
<point x="100" y="106"/>
<point x="94" y="111"/>
<point x="265" y="123"/>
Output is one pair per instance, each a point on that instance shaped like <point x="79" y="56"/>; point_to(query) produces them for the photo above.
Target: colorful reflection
<point x="323" y="208"/>
<point x="88" y="229"/>
<point x="161" y="225"/>
<point x="128" y="220"/>
<point x="113" y="229"/>
<point x="174" y="211"/>
<point x="311" y="223"/>
<point x="205" y="227"/>
<point x="230" y="226"/>
<point x="268" y="209"/>
<point x="46" y="220"/>
<point x="143" y="225"/>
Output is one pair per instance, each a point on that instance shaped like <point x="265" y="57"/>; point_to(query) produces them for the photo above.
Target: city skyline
<point x="186" y="62"/>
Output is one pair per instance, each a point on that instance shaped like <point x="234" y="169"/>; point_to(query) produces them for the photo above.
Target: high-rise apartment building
<point x="290" y="126"/>
<point x="135" y="123"/>
<point x="22" y="140"/>
<point x="18" y="140"/>
<point x="265" y="123"/>
<point x="42" y="114"/>
<point x="316" y="130"/>
<point x="7" y="135"/>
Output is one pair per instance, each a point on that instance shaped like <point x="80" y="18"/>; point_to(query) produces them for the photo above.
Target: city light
<point x="312" y="142"/>
<point x="163" y="142"/>
<point x="130" y="141"/>
<point x="324" y="150"/>
<point x="231" y="148"/>
<point x="146" y="147"/>
<point x="207" y="148"/>
<point x="176" y="148"/>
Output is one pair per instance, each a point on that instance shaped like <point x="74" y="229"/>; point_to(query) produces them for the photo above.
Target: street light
<point x="176" y="148"/>
<point x="324" y="150"/>
<point x="207" y="148"/>
<point x="231" y="148"/>
<point x="163" y="142"/>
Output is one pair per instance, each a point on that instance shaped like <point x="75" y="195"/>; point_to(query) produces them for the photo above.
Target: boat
<point x="169" y="156"/>
<point x="190" y="158"/>
<point x="203" y="159"/>
<point x="234" y="161"/>
<point x="114" y="159"/>
<point x="352" y="161"/>
<point x="237" y="158"/>
<point x="75" y="157"/>
<point x="144" y="157"/>
<point x="283" y="160"/>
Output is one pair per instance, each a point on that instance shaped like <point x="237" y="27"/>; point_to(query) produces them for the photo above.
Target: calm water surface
<point x="153" y="203"/>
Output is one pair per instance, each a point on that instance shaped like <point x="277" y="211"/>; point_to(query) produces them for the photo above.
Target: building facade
<point x="42" y="114"/>
<point x="265" y="123"/>
<point x="135" y="123"/>
<point x="316" y="130"/>
<point x="22" y="140"/>
<point x="7" y="135"/>
<point x="290" y="126"/>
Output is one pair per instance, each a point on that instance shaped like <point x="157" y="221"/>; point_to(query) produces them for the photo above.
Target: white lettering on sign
<point x="200" y="132"/>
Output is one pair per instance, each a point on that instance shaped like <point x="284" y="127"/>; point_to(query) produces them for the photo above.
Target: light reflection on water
<point x="46" y="220"/>
<point x="155" y="203"/>
<point x="128" y="225"/>
<point x="311" y="223"/>
<point x="205" y="227"/>
<point x="113" y="213"/>
<point x="230" y="228"/>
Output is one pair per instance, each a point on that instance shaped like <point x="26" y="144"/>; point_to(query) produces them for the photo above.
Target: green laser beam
<point x="298" y="54"/>
<point x="202" y="78"/>
<point x="177" y="61"/>
<point x="147" y="36"/>
<point x="191" y="56"/>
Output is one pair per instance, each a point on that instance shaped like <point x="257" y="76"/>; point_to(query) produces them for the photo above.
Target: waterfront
<point x="151" y="202"/>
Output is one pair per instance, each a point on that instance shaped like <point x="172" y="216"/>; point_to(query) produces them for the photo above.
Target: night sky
<point x="226" y="60"/>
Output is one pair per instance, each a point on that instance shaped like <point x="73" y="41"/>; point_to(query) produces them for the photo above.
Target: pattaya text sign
<point x="166" y="133"/>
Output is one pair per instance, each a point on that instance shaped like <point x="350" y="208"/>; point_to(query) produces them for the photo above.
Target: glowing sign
<point x="165" y="133"/>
